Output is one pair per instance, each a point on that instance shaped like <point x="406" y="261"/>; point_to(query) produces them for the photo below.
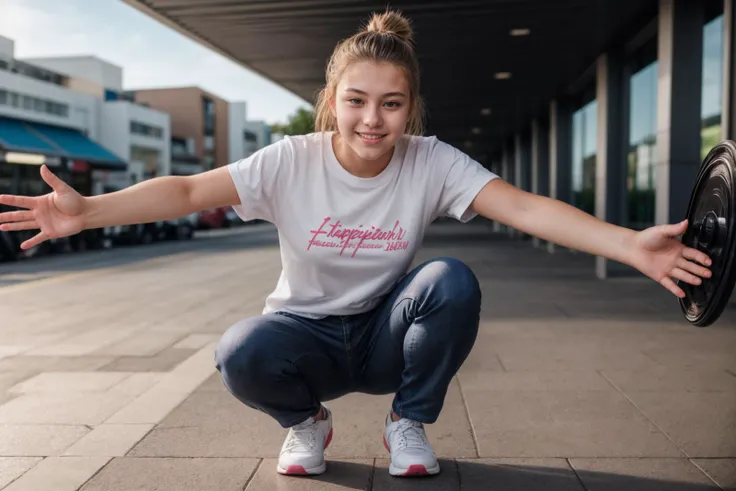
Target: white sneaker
<point x="303" y="451"/>
<point x="411" y="453"/>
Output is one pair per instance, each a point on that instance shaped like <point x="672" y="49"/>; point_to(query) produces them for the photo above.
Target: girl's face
<point x="371" y="107"/>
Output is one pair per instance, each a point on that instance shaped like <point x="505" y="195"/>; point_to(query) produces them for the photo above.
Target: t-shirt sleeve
<point x="259" y="180"/>
<point x="462" y="179"/>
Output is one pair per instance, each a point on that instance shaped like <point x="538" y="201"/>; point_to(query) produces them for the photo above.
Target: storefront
<point x="72" y="156"/>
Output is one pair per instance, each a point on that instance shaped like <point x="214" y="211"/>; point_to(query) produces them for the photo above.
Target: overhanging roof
<point x="461" y="45"/>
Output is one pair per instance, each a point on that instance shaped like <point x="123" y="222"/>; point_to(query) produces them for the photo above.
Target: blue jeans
<point x="411" y="344"/>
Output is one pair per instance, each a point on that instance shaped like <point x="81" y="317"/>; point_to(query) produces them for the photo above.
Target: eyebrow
<point x="389" y="94"/>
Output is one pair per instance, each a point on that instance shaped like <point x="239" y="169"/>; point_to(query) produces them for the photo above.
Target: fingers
<point x="696" y="255"/>
<point x="56" y="184"/>
<point x="27" y="225"/>
<point x="694" y="268"/>
<point x="671" y="286"/>
<point x="16" y="216"/>
<point x="17" y="201"/>
<point x="34" y="241"/>
<point x="683" y="275"/>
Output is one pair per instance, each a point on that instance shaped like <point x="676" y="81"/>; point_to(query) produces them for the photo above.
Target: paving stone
<point x="70" y="382"/>
<point x="169" y="474"/>
<point x="109" y="440"/>
<point x="505" y="474"/>
<point x="574" y="356"/>
<point x="446" y="480"/>
<point x="722" y="471"/>
<point x="9" y="379"/>
<point x="63" y="408"/>
<point x="556" y="423"/>
<point x="38" y="440"/>
<point x="67" y="474"/>
<point x="37" y="364"/>
<point x="141" y="344"/>
<point x="669" y="379"/>
<point x="196" y="341"/>
<point x="12" y="468"/>
<point x="641" y="475"/>
<point x="692" y="359"/>
<point x="164" y="361"/>
<point x="534" y="381"/>
<point x="341" y="475"/>
<point x="209" y="424"/>
<point x="138" y="383"/>
<point x="702" y="424"/>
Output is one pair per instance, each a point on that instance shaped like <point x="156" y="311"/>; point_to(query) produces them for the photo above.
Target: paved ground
<point x="107" y="379"/>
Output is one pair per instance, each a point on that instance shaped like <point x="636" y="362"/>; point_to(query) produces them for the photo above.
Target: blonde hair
<point x="387" y="37"/>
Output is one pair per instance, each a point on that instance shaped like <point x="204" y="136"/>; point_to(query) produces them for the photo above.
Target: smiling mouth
<point x="366" y="136"/>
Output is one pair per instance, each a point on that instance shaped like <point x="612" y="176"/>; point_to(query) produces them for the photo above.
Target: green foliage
<point x="300" y="123"/>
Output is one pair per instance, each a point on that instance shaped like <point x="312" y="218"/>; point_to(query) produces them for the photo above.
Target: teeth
<point x="370" y="137"/>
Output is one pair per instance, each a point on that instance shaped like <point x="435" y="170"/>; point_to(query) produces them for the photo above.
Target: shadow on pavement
<point x="474" y="476"/>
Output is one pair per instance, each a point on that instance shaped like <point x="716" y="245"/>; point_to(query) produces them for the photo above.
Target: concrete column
<point x="678" y="111"/>
<point x="610" y="167"/>
<point x="540" y="166"/>
<point x="728" y="122"/>
<point x="560" y="154"/>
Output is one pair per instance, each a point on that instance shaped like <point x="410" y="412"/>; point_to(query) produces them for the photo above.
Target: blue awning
<point x="28" y="137"/>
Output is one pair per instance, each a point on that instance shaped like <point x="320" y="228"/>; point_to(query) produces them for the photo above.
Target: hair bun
<point x="391" y="22"/>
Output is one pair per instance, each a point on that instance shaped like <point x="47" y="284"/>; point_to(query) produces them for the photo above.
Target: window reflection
<point x="584" y="144"/>
<point x="640" y="176"/>
<point x="712" y="85"/>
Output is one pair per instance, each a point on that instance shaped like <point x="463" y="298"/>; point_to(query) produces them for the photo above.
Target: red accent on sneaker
<point x="329" y="438"/>
<point x="416" y="470"/>
<point x="385" y="444"/>
<point x="297" y="470"/>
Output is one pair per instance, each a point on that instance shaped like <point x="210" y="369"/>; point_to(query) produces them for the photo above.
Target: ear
<point x="333" y="110"/>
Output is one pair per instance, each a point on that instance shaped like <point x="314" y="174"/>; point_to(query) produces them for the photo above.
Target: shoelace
<point x="302" y="435"/>
<point x="410" y="434"/>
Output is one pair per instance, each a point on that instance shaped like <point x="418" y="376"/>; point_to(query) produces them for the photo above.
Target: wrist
<point x="628" y="247"/>
<point x="88" y="214"/>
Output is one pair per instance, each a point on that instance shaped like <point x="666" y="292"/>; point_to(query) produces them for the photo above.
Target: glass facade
<point x="584" y="147"/>
<point x="712" y="85"/>
<point x="642" y="141"/>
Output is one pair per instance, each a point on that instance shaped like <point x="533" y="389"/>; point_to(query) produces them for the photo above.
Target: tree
<point x="300" y="123"/>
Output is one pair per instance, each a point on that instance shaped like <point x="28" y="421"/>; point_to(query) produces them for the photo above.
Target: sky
<point x="150" y="53"/>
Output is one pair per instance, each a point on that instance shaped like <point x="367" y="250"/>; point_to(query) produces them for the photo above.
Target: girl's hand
<point x="59" y="213"/>
<point x="659" y="254"/>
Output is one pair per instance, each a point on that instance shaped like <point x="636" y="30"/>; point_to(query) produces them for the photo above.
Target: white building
<point x="245" y="137"/>
<point x="141" y="136"/>
<point x="69" y="113"/>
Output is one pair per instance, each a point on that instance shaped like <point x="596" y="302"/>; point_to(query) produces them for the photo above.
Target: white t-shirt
<point x="346" y="240"/>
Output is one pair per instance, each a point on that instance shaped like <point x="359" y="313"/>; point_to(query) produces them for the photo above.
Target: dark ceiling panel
<point x="461" y="45"/>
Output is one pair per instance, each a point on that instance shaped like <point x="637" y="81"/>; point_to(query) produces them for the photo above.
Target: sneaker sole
<point x="413" y="470"/>
<point x="299" y="470"/>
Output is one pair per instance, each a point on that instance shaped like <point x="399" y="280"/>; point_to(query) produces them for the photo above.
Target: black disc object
<point x="711" y="229"/>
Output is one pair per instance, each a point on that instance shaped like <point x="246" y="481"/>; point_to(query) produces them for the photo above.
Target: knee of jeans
<point x="458" y="283"/>
<point x="237" y="359"/>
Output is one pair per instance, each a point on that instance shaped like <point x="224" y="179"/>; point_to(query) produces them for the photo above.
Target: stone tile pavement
<point x="107" y="382"/>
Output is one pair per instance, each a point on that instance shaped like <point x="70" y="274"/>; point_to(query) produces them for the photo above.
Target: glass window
<point x="584" y="146"/>
<point x="712" y="84"/>
<point x="641" y="177"/>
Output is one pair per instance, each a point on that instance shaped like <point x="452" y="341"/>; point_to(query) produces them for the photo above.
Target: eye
<point x="354" y="101"/>
<point x="393" y="104"/>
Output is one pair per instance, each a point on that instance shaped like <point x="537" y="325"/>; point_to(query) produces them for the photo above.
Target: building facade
<point x="195" y="114"/>
<point x="625" y="143"/>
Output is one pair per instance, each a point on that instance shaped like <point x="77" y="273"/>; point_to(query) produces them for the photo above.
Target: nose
<point x="371" y="116"/>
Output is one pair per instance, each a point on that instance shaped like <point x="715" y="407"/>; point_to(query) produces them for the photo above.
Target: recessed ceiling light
<point x="485" y="111"/>
<point x="476" y="131"/>
<point x="503" y="75"/>
<point x="520" y="32"/>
